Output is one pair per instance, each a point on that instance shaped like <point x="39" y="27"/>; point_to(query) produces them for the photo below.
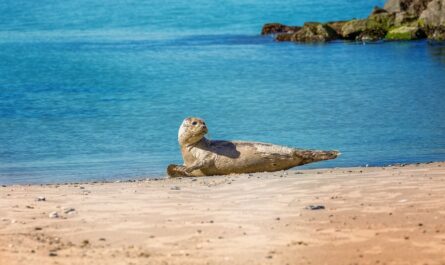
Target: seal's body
<point x="203" y="157"/>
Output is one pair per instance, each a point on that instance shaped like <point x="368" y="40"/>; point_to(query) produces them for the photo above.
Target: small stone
<point x="68" y="210"/>
<point x="144" y="255"/>
<point x="29" y="207"/>
<point x="175" y="188"/>
<point x="278" y="219"/>
<point x="40" y="199"/>
<point x="52" y="254"/>
<point x="37" y="228"/>
<point x="315" y="207"/>
<point x="54" y="215"/>
<point x="102" y="239"/>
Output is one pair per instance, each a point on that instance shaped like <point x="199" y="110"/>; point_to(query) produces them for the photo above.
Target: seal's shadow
<point x="223" y="148"/>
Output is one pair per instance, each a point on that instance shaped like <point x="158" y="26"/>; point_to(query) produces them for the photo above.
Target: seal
<point x="204" y="157"/>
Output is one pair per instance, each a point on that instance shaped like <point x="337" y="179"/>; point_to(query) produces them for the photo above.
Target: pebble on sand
<point x="68" y="210"/>
<point x="40" y="199"/>
<point x="315" y="207"/>
<point x="53" y="215"/>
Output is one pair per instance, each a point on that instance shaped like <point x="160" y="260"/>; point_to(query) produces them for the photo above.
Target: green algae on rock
<point x="405" y="33"/>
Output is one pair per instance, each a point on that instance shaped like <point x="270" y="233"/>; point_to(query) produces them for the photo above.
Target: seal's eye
<point x="194" y="123"/>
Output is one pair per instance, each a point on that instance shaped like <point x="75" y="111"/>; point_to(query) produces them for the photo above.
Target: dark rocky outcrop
<point x="337" y="26"/>
<point x="314" y="32"/>
<point x="277" y="28"/>
<point x="398" y="20"/>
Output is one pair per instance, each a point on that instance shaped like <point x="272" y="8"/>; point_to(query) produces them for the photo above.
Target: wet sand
<point x="389" y="215"/>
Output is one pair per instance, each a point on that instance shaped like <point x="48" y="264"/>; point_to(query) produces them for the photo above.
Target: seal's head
<point x="191" y="131"/>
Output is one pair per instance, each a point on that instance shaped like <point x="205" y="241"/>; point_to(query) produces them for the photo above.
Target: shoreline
<point x="165" y="176"/>
<point x="371" y="215"/>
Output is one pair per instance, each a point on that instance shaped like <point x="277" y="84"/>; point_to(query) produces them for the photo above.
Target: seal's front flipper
<point x="175" y="171"/>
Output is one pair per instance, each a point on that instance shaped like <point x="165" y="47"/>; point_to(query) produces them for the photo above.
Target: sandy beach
<point x="374" y="215"/>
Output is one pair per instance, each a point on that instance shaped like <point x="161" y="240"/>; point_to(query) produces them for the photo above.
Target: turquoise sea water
<point x="97" y="90"/>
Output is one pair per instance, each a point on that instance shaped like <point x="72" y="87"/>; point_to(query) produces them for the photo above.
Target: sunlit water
<point x="97" y="90"/>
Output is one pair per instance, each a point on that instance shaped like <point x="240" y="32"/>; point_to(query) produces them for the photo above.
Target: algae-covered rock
<point x="398" y="20"/>
<point x="380" y="21"/>
<point x="353" y="28"/>
<point x="371" y="35"/>
<point x="276" y="28"/>
<point x="405" y="33"/>
<point x="284" y="37"/>
<point x="337" y="26"/>
<point x="314" y="32"/>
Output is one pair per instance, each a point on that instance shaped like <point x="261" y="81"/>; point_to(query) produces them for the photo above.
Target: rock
<point x="315" y="207"/>
<point x="314" y="32"/>
<point x="405" y="19"/>
<point x="437" y="33"/>
<point x="276" y="28"/>
<point x="434" y="14"/>
<point x="284" y="37"/>
<point x="398" y="20"/>
<point x="414" y="7"/>
<point x="381" y="21"/>
<point x="175" y="188"/>
<point x="433" y="20"/>
<point x="352" y="29"/>
<point x="378" y="10"/>
<point x="405" y="33"/>
<point x="337" y="26"/>
<point x="371" y="35"/>
<point x="54" y="215"/>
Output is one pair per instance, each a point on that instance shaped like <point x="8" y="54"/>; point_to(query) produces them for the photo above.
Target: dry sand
<point x="391" y="215"/>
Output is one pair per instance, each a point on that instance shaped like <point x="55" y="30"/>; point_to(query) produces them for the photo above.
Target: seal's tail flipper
<point x="175" y="171"/>
<point x="309" y="156"/>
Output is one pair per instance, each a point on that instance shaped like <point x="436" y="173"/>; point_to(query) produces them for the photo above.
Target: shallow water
<point x="93" y="91"/>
